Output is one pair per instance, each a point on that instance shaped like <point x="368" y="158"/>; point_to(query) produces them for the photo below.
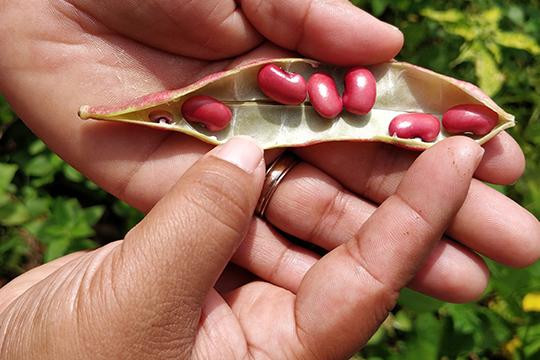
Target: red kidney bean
<point x="415" y="125"/>
<point x="210" y="112"/>
<point x="161" y="117"/>
<point x="470" y="118"/>
<point x="324" y="95"/>
<point x="282" y="86"/>
<point x="360" y="91"/>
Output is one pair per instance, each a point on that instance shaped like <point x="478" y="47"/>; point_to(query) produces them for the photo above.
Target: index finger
<point x="333" y="31"/>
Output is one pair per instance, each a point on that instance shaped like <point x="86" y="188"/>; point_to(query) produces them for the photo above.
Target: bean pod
<point x="283" y="117"/>
<point x="324" y="95"/>
<point x="207" y="111"/>
<point x="409" y="126"/>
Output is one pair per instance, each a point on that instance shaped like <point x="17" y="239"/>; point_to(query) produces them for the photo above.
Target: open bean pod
<point x="401" y="89"/>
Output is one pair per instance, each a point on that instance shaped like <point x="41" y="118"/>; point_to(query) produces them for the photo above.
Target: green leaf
<point x="465" y="317"/>
<point x="378" y="337"/>
<point x="38" y="206"/>
<point x="402" y="321"/>
<point x="4" y="199"/>
<point x="71" y="174"/>
<point x="14" y="213"/>
<point x="7" y="172"/>
<point x="518" y="40"/>
<point x="491" y="16"/>
<point x="378" y="6"/>
<point x="6" y="115"/>
<point x="93" y="214"/>
<point x="419" y="303"/>
<point x="56" y="249"/>
<point x="516" y="14"/>
<point x="425" y="344"/>
<point x="37" y="147"/>
<point x="450" y="16"/>
<point x="39" y="166"/>
<point x="463" y="30"/>
<point x="495" y="50"/>
<point x="490" y="77"/>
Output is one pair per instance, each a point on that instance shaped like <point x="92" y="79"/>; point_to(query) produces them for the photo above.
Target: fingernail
<point x="479" y="155"/>
<point x="241" y="151"/>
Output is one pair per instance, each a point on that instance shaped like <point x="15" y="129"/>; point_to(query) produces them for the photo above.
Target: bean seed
<point x="282" y="86"/>
<point x="360" y="91"/>
<point x="470" y="118"/>
<point x="206" y="110"/>
<point x="324" y="95"/>
<point x="415" y="125"/>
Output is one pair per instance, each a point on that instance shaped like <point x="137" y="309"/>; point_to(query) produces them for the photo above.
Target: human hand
<point x="152" y="296"/>
<point x="104" y="52"/>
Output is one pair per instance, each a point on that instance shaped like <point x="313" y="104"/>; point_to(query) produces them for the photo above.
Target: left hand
<point x="77" y="52"/>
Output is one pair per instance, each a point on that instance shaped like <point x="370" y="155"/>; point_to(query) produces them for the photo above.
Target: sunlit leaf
<point x="518" y="40"/>
<point x="491" y="16"/>
<point x="512" y="346"/>
<point x="489" y="76"/>
<point x="7" y="172"/>
<point x="451" y="15"/>
<point x="495" y="50"/>
<point x="464" y="30"/>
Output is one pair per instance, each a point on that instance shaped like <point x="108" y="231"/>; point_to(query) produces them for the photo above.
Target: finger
<point x="273" y="258"/>
<point x="211" y="29"/>
<point x="312" y="206"/>
<point x="452" y="273"/>
<point x="333" y="31"/>
<point x="503" y="161"/>
<point x="175" y="255"/>
<point x="348" y="293"/>
<point x="488" y="222"/>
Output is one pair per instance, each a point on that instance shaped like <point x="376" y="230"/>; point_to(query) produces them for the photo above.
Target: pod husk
<point x="401" y="88"/>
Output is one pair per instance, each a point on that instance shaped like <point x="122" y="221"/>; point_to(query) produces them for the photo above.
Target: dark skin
<point x="342" y="198"/>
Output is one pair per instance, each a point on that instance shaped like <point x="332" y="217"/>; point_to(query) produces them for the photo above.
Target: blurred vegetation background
<point x="48" y="209"/>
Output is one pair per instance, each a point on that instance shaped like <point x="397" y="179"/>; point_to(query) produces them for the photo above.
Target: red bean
<point x="210" y="112"/>
<point x="470" y="118"/>
<point x="415" y="125"/>
<point x="360" y="91"/>
<point x="324" y="95"/>
<point x="282" y="86"/>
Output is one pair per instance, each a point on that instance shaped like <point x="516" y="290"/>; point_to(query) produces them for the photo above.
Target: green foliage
<point x="494" y="44"/>
<point x="47" y="208"/>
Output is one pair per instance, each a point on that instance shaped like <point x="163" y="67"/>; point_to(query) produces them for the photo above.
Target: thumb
<point x="168" y="263"/>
